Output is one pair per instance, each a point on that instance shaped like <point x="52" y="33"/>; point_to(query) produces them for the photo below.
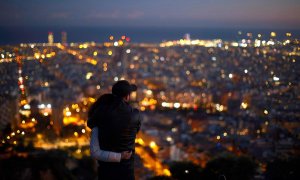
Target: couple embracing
<point x="114" y="125"/>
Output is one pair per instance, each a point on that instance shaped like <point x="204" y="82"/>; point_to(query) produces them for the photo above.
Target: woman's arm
<point x="101" y="155"/>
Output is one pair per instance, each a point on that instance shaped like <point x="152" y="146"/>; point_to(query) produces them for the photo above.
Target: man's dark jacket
<point x="117" y="121"/>
<point x="118" y="125"/>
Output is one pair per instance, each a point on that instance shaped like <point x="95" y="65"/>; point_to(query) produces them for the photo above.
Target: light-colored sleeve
<point x="101" y="155"/>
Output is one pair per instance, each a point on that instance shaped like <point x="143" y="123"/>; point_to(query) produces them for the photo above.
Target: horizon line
<point x="159" y="27"/>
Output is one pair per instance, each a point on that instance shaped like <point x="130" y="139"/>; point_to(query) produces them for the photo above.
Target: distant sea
<point x="16" y="35"/>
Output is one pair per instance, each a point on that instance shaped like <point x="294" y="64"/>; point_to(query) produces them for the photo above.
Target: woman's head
<point x="102" y="100"/>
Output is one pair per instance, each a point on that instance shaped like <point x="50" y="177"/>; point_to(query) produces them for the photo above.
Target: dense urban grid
<point x="206" y="104"/>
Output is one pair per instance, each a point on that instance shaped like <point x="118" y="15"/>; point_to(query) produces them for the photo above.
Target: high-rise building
<point x="175" y="153"/>
<point x="187" y="37"/>
<point x="9" y="112"/>
<point x="57" y="116"/>
<point x="50" y="38"/>
<point x="8" y="95"/>
<point x="64" y="38"/>
<point x="273" y="34"/>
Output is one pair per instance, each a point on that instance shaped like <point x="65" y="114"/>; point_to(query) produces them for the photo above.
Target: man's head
<point x="123" y="89"/>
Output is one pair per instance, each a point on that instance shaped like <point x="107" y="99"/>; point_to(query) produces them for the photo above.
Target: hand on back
<point x="126" y="154"/>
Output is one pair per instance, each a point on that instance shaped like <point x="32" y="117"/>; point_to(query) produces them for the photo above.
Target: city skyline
<point x="198" y="99"/>
<point x="169" y="13"/>
<point x="218" y="87"/>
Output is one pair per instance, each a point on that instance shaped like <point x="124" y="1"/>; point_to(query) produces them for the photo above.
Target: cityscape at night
<point x="212" y="107"/>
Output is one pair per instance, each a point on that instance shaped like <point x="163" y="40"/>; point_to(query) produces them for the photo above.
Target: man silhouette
<point x="117" y="124"/>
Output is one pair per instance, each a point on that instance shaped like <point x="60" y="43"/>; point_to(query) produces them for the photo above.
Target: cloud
<point x="115" y="14"/>
<point x="104" y="15"/>
<point x="135" y="15"/>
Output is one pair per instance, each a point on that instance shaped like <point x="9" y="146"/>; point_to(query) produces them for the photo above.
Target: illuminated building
<point x="8" y="95"/>
<point x="8" y="111"/>
<point x="187" y="37"/>
<point x="273" y="34"/>
<point x="57" y="117"/>
<point x="50" y="38"/>
<point x="175" y="153"/>
<point x="64" y="38"/>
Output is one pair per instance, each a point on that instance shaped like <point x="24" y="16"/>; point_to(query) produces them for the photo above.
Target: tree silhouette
<point x="185" y="170"/>
<point x="233" y="168"/>
<point x="280" y="169"/>
<point x="161" y="178"/>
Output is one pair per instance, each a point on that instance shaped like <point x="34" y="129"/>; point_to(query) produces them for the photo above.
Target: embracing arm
<point x="138" y="116"/>
<point x="101" y="155"/>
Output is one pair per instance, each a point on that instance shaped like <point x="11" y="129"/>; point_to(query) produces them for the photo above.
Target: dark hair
<point x="105" y="99"/>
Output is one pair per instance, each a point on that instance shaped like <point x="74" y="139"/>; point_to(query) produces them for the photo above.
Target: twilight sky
<point x="284" y="14"/>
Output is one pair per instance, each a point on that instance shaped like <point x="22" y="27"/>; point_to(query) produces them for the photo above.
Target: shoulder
<point x="106" y="98"/>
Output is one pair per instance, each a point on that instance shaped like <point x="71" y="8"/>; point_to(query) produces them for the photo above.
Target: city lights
<point x="169" y="139"/>
<point x="68" y="113"/>
<point x="176" y="105"/>
<point x="276" y="78"/>
<point x="149" y="92"/>
<point x="266" y="112"/>
<point x="26" y="106"/>
<point x="42" y="106"/>
<point x="220" y="107"/>
<point x="166" y="172"/>
<point x="89" y="75"/>
<point x="140" y="141"/>
<point x="273" y="34"/>
<point x="154" y="146"/>
<point x="244" y="105"/>
<point x="197" y="98"/>
<point x="76" y="134"/>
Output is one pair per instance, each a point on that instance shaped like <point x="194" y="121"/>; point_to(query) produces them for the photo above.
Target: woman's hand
<point x="126" y="154"/>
